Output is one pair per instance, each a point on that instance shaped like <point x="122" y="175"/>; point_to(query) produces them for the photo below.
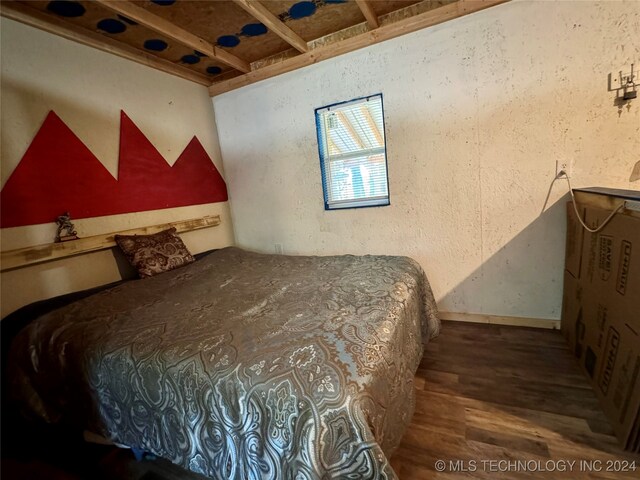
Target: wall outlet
<point x="563" y="166"/>
<point x="278" y="248"/>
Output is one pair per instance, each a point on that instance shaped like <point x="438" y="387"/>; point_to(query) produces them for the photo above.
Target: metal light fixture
<point x="625" y="86"/>
<point x="630" y="86"/>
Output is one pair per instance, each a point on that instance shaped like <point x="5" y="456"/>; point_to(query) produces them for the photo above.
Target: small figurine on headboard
<point x="64" y="224"/>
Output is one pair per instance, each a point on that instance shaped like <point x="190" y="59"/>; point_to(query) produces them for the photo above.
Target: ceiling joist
<point x="262" y="14"/>
<point x="335" y="29"/>
<point x="168" y="29"/>
<point x="369" y="14"/>
<point x="24" y="14"/>
<point x="352" y="131"/>
<point x="361" y="40"/>
<point x="372" y="125"/>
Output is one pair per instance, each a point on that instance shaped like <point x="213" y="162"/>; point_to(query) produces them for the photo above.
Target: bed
<point x="240" y="365"/>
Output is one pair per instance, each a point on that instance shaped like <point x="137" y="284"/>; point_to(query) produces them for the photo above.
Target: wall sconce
<point x="624" y="86"/>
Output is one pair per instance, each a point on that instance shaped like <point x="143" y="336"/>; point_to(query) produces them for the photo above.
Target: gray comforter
<point x="241" y="365"/>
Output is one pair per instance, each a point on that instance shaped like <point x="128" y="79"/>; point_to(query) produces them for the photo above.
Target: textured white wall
<point x="87" y="89"/>
<point x="477" y="112"/>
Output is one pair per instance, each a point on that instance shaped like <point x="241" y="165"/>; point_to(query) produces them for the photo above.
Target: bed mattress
<point x="240" y="365"/>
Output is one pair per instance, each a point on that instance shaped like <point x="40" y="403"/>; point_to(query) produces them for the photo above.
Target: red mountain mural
<point x="58" y="173"/>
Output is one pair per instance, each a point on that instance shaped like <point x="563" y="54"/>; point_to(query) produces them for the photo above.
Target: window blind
<point x="353" y="154"/>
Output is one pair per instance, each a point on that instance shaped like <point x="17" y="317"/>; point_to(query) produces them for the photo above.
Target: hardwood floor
<point x="506" y="402"/>
<point x="486" y="395"/>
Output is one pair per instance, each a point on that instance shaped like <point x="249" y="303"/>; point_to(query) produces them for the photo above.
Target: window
<point x="353" y="157"/>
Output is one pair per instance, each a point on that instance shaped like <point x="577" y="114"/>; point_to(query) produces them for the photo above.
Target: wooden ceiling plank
<point x="385" y="32"/>
<point x="273" y="23"/>
<point x="35" y="18"/>
<point x="173" y="31"/>
<point x="369" y="13"/>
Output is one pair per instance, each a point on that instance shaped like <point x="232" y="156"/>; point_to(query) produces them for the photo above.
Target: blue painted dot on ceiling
<point x="199" y="54"/>
<point x="302" y="9"/>
<point x="164" y="3"/>
<point x="190" y="59"/>
<point x="110" y="25"/>
<point x="228" y="41"/>
<point x="254" y="29"/>
<point x="127" y="20"/>
<point x="66" y="9"/>
<point x="155" y="45"/>
<point x="214" y="70"/>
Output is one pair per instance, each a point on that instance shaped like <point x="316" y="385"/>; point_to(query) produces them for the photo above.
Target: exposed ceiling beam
<point x="369" y="14"/>
<point x="171" y="30"/>
<point x="385" y="32"/>
<point x="333" y="146"/>
<point x="350" y="130"/>
<point x="35" y="18"/>
<point x="273" y="23"/>
<point x="372" y="124"/>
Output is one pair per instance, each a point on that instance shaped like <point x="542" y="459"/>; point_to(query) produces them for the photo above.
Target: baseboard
<point x="501" y="320"/>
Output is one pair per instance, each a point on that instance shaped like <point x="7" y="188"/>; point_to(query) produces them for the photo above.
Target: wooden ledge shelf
<point x="23" y="257"/>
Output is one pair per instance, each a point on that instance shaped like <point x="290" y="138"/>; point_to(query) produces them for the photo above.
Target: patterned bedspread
<point x="241" y="365"/>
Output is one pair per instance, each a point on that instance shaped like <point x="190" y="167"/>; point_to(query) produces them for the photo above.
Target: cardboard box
<point x="572" y="326"/>
<point x="611" y="280"/>
<point x="635" y="445"/>
<point x="585" y="317"/>
<point x="617" y="379"/>
<point x="611" y="265"/>
<point x="575" y="234"/>
<point x="585" y="322"/>
<point x="601" y="313"/>
<point x="595" y="318"/>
